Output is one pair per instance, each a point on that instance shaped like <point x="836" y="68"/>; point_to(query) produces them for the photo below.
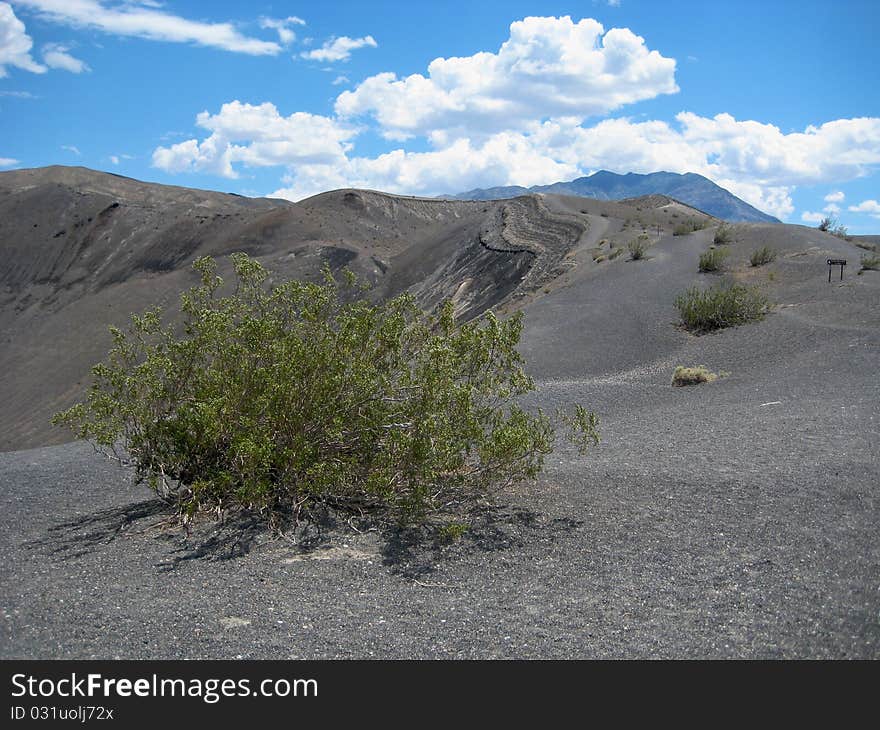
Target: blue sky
<point x="776" y="101"/>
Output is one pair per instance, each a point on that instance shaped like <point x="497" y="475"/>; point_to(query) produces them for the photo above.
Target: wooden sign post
<point x="836" y="262"/>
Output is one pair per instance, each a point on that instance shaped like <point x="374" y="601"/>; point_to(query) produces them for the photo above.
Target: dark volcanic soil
<point x="706" y="525"/>
<point x="732" y="519"/>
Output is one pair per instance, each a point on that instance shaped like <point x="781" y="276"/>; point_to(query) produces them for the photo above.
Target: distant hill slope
<point x="690" y="188"/>
<point x="81" y="249"/>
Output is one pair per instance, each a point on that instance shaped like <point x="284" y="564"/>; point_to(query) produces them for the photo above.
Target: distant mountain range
<point x="695" y="190"/>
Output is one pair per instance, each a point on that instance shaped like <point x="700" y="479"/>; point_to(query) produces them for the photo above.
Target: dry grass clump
<point x="723" y="234"/>
<point x="870" y="262"/>
<point x="692" y="376"/>
<point x="712" y="260"/>
<point x="691" y="225"/>
<point x="761" y="256"/>
<point x="637" y="247"/>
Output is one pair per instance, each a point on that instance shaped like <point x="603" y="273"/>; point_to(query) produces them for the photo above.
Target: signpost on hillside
<point x="836" y="262"/>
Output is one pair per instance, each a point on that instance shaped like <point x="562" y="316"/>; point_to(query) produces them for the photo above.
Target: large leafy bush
<point x="276" y="398"/>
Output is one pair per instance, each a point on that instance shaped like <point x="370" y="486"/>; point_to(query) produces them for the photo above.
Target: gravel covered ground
<point x="733" y="519"/>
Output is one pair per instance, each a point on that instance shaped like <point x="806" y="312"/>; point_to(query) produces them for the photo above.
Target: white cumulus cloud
<point x="505" y="159"/>
<point x="56" y="55"/>
<point x="518" y="116"/>
<point x="548" y="68"/>
<point x="809" y="217"/>
<point x="257" y="136"/>
<point x="148" y="22"/>
<point x="835" y="197"/>
<point x="15" y="44"/>
<point x="339" y="49"/>
<point x="7" y="162"/>
<point x="755" y="161"/>
<point x="871" y="207"/>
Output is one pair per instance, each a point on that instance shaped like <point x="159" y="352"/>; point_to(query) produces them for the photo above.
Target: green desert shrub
<point x="682" y="229"/>
<point x="702" y="310"/>
<point x="712" y="260"/>
<point x="280" y="398"/>
<point x="692" y="376"/>
<point x="761" y="256"/>
<point x="870" y="262"/>
<point x="689" y="226"/>
<point x="637" y="247"/>
<point x="452" y="531"/>
<point x="723" y="234"/>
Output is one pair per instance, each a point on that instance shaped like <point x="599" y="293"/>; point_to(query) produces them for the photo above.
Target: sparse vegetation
<point x="703" y="310"/>
<point x="615" y="252"/>
<point x="712" y="260"/>
<point x="761" y="256"/>
<point x="723" y="234"/>
<point x="452" y="531"/>
<point x="692" y="376"/>
<point x="280" y="398"/>
<point x="689" y="226"/>
<point x="637" y="247"/>
<point x="832" y="225"/>
<point x="870" y="262"/>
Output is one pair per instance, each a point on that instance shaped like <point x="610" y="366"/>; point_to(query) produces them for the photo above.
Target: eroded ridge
<point x="527" y="226"/>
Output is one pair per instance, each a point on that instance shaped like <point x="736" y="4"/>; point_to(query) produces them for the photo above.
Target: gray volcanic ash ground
<point x="732" y="519"/>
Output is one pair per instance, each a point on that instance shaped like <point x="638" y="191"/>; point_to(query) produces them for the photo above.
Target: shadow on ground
<point x="406" y="550"/>
<point x="416" y="552"/>
<point x="85" y="534"/>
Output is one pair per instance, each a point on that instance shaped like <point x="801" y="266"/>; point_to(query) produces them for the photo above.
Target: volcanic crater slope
<point x="83" y="249"/>
<point x="737" y="518"/>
